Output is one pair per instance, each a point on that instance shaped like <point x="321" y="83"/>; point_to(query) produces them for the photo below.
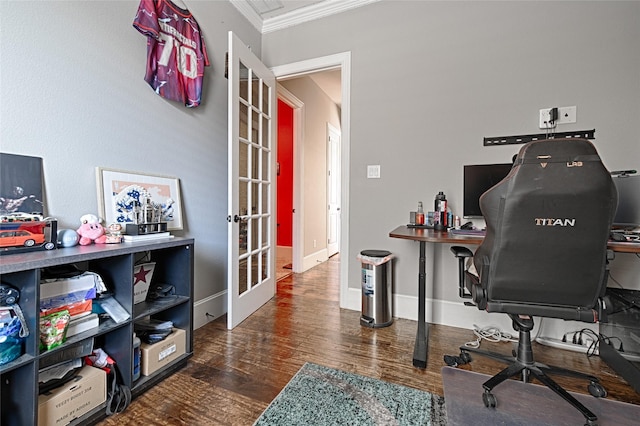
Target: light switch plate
<point x="567" y="115"/>
<point x="373" y="171"/>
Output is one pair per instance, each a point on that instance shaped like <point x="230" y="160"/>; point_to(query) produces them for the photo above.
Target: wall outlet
<point x="566" y="115"/>
<point x="545" y="119"/>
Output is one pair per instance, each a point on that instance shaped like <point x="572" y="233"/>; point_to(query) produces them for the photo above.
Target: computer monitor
<point x="628" y="212"/>
<point x="478" y="178"/>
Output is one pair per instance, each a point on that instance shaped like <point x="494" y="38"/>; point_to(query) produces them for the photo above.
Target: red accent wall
<point x="285" y="177"/>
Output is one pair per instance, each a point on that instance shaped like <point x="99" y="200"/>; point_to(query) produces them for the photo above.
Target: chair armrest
<point x="461" y="252"/>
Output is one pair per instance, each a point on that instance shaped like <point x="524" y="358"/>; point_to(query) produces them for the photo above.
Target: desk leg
<point x="422" y="336"/>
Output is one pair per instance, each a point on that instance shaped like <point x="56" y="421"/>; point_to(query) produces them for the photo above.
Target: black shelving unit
<point x="174" y="259"/>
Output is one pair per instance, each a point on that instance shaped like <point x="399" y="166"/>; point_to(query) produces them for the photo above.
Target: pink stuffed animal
<point x="91" y="230"/>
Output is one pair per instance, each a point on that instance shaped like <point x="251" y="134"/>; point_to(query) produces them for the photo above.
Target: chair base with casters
<point x="522" y="364"/>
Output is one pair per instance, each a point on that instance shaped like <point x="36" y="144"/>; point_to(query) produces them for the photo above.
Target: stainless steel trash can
<point x="377" y="275"/>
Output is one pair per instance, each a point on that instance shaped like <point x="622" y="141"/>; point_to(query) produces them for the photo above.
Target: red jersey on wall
<point x="176" y="52"/>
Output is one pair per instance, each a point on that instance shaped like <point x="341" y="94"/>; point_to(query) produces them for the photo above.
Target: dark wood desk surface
<point x="433" y="236"/>
<point x="624" y="247"/>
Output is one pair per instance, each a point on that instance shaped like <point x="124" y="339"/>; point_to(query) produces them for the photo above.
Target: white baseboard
<point x="558" y="343"/>
<point x="215" y="306"/>
<point x="453" y="314"/>
<point x="314" y="259"/>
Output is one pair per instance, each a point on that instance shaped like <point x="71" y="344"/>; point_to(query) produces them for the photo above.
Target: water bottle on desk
<point x="440" y="215"/>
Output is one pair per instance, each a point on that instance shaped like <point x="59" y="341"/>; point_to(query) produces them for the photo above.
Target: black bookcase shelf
<point x="174" y="259"/>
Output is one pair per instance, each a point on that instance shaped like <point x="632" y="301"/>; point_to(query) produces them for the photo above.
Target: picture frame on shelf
<point x="120" y="190"/>
<point x="21" y="185"/>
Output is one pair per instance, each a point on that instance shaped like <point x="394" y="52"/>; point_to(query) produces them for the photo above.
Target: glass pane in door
<point x="243" y="111"/>
<point x="244" y="82"/>
<point x="265" y="198"/>
<point x="265" y="264"/>
<point x="255" y="162"/>
<point x="255" y="277"/>
<point x="243" y="165"/>
<point x="255" y="91"/>
<point x="265" y="99"/>
<point x="242" y="276"/>
<point x="265" y="231"/>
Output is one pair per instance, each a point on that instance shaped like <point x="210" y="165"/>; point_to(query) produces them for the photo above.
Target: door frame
<point x="299" y="69"/>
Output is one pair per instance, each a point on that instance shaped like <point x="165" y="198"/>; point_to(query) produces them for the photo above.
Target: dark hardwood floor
<point x="234" y="375"/>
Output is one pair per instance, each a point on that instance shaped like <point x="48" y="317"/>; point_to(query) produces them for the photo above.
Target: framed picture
<point x="122" y="193"/>
<point x="21" y="188"/>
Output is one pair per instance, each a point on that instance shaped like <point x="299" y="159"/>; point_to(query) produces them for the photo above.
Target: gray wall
<point x="73" y="93"/>
<point x="431" y="79"/>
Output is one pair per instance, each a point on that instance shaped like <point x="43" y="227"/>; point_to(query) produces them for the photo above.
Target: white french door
<point x="251" y="198"/>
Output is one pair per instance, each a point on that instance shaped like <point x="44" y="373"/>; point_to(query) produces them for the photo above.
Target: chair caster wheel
<point x="597" y="390"/>
<point x="591" y="423"/>
<point x="489" y="400"/>
<point x="454" y="361"/>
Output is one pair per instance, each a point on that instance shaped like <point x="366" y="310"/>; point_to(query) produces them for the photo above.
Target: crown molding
<point x="248" y="12"/>
<point x="310" y="13"/>
<point x="298" y="16"/>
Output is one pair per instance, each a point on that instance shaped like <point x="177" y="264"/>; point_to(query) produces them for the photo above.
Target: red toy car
<point x="20" y="238"/>
<point x="26" y="235"/>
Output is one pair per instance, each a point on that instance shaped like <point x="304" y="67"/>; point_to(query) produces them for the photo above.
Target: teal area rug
<point x="319" y="395"/>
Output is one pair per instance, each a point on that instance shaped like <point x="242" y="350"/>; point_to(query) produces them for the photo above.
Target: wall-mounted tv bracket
<point x="514" y="140"/>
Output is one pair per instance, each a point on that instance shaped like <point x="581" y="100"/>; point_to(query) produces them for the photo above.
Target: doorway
<point x="301" y="262"/>
<point x="317" y="159"/>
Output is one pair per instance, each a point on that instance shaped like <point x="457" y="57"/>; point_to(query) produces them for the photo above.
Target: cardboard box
<point x="160" y="354"/>
<point x="74" y="399"/>
<point x="51" y="288"/>
<point x="142" y="275"/>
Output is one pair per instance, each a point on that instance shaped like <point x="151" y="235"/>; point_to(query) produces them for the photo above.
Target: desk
<point x="424" y="236"/>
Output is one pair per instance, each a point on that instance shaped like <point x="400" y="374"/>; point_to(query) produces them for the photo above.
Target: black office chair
<point x="545" y="252"/>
